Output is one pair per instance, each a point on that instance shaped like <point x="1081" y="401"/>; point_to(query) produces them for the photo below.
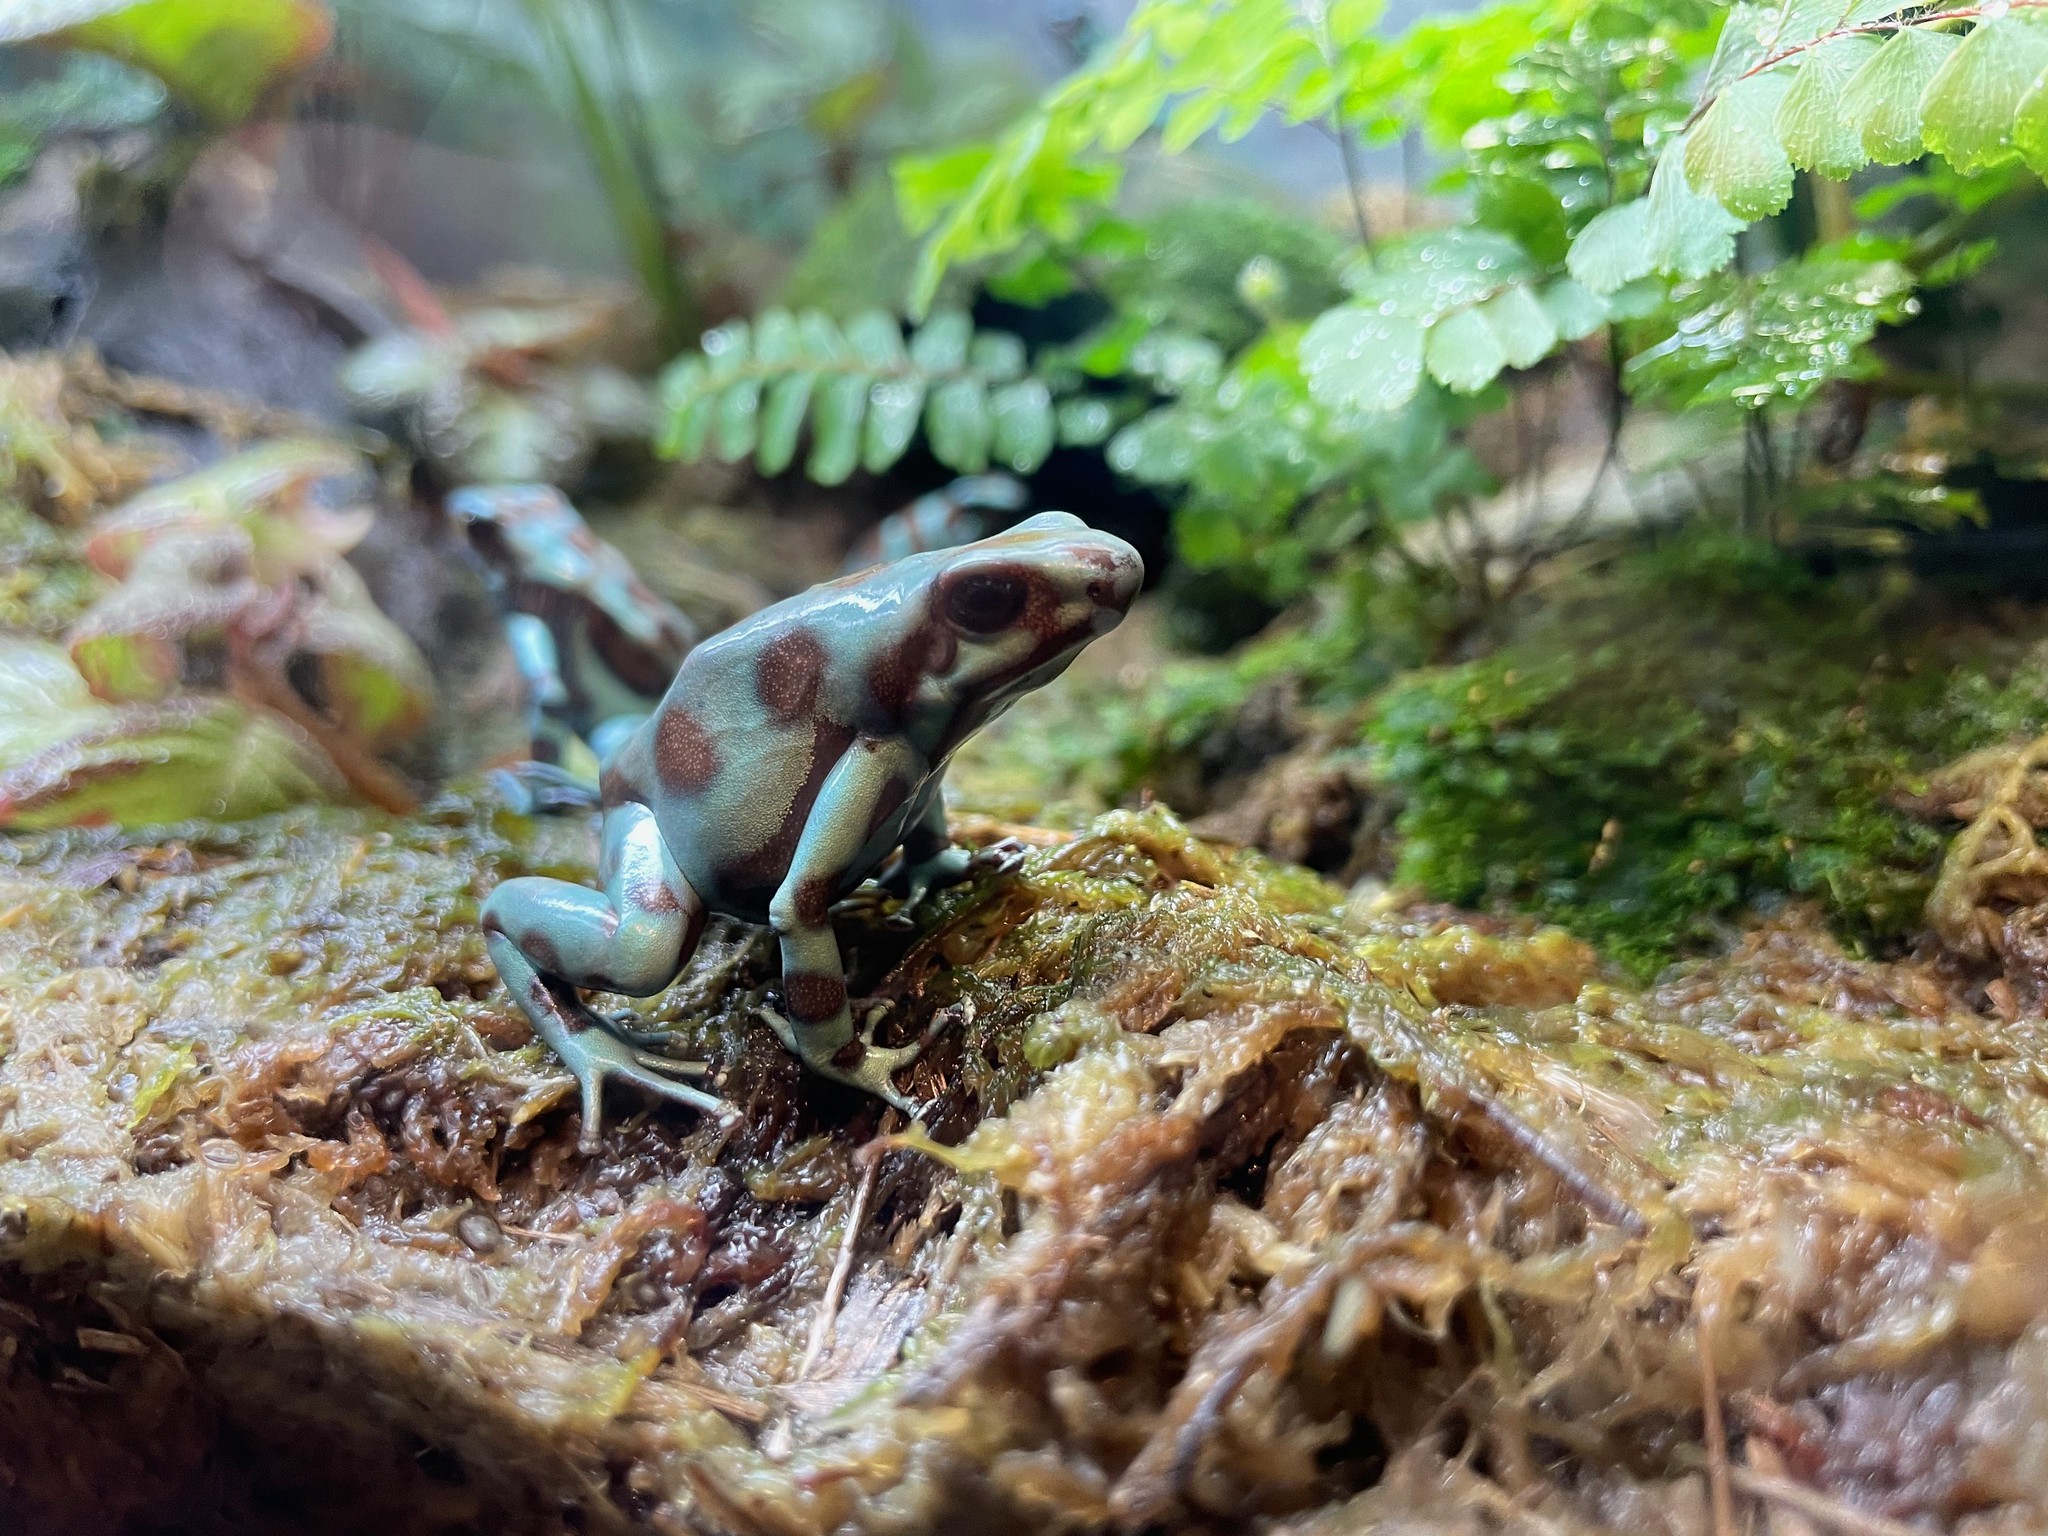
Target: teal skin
<point x="791" y="756"/>
<point x="594" y="644"/>
<point x="941" y="519"/>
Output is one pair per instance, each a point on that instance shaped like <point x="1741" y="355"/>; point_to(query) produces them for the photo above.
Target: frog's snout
<point x="1120" y="573"/>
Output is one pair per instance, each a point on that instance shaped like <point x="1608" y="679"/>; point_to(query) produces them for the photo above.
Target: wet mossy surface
<point x="1237" y="1203"/>
<point x="1709" y="729"/>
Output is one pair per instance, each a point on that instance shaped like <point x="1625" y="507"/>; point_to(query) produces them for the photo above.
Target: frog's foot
<point x="951" y="867"/>
<point x="872" y="1071"/>
<point x="596" y="1054"/>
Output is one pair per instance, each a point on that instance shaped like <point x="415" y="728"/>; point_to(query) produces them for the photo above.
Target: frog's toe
<point x="622" y="1025"/>
<point x="595" y="1055"/>
<point x="1005" y="856"/>
<point x="872" y="1073"/>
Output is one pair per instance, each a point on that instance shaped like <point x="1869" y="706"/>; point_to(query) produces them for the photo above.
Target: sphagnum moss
<point x="1229" y="1205"/>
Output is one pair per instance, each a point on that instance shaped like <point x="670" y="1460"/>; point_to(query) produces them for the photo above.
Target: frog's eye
<point x="983" y="604"/>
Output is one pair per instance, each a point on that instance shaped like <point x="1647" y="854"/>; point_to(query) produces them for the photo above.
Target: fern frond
<point x="862" y="390"/>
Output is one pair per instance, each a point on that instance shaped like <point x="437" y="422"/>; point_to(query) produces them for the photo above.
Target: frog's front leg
<point x="851" y="803"/>
<point x="929" y="858"/>
<point x="547" y="938"/>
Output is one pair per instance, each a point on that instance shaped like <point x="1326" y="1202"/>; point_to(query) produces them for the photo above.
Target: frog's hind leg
<point x="547" y="938"/>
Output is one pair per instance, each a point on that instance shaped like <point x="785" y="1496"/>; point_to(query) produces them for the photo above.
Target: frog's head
<point x="1008" y="614"/>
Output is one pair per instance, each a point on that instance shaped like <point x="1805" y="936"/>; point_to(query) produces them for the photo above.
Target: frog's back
<point x="733" y="759"/>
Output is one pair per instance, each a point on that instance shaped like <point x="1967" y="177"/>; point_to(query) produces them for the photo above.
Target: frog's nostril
<point x="1102" y="593"/>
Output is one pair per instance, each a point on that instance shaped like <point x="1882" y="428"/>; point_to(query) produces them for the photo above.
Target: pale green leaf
<point x="736" y="421"/>
<point x="690" y="406"/>
<point x="782" y="418"/>
<point x="1970" y="104"/>
<point x="1733" y="153"/>
<point x="997" y="356"/>
<point x="1023" y="425"/>
<point x="893" y="408"/>
<point x="835" y="428"/>
<point x="1085" y="422"/>
<point x="1361" y="359"/>
<point x="1190" y="120"/>
<point x="127" y="667"/>
<point x="727" y="349"/>
<point x="1122" y="126"/>
<point x="876" y="339"/>
<point x="823" y="340"/>
<point x="1575" y="309"/>
<point x="1155" y="450"/>
<point x="1613" y="249"/>
<point x="1816" y="132"/>
<point x="2030" y="128"/>
<point x="1863" y="12"/>
<point x="940" y="345"/>
<point x="927" y="185"/>
<point x="776" y="341"/>
<point x="958" y="425"/>
<point x="1688" y="234"/>
<point x="1463" y="352"/>
<point x="67" y="758"/>
<point x="1526" y="331"/>
<point x="372" y="681"/>
<point x="1746" y="38"/>
<point x="1882" y="99"/>
<point x="1427" y="275"/>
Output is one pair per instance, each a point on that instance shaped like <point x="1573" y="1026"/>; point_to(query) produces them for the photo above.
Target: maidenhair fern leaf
<point x="1971" y="103"/>
<point x="2030" y="128"/>
<point x="1613" y="249"/>
<point x="1526" y="331"/>
<point x="863" y="392"/>
<point x="1673" y="230"/>
<point x="1360" y="359"/>
<point x="1883" y="97"/>
<point x="1575" y="309"/>
<point x="1464" y="352"/>
<point x="1734" y="154"/>
<point x="1458" y="304"/>
<point x="1817" y="134"/>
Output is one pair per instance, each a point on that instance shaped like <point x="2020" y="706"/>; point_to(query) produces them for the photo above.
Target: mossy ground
<point x="1702" y="732"/>
<point x="1235" y="1204"/>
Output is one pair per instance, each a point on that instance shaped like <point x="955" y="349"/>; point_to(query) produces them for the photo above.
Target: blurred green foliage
<point x="219" y="56"/>
<point x="713" y="128"/>
<point x="83" y="92"/>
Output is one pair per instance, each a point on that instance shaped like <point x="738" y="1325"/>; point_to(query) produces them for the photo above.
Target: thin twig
<point x="1716" y="1432"/>
<point x="1818" y="1507"/>
<point x="1347" y="147"/>
<point x="1347" y="151"/>
<point x="828" y="1305"/>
